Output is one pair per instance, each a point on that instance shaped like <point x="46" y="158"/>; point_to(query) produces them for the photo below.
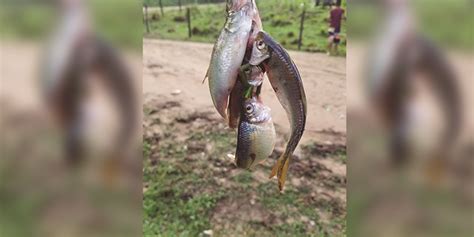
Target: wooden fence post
<point x="300" y="39"/>
<point x="188" y="18"/>
<point x="179" y="3"/>
<point x="146" y="19"/>
<point x="161" y="7"/>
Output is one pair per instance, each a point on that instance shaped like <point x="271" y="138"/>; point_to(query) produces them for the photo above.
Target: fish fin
<point x="206" y="76"/>
<point x="275" y="169"/>
<point x="280" y="169"/>
<point x="282" y="175"/>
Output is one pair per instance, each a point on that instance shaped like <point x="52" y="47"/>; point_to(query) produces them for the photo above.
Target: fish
<point x="229" y="51"/>
<point x="250" y="77"/>
<point x="256" y="134"/>
<point x="256" y="27"/>
<point x="288" y="86"/>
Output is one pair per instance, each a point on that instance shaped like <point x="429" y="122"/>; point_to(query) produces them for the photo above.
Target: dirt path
<point x="171" y="65"/>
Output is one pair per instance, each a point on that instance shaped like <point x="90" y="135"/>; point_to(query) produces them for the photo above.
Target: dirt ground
<point x="187" y="169"/>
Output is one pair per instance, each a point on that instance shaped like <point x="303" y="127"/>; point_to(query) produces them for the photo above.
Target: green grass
<point x="333" y="151"/>
<point x="207" y="21"/>
<point x="188" y="182"/>
<point x="244" y="178"/>
<point x="169" y="208"/>
<point x="26" y="21"/>
<point x="449" y="23"/>
<point x="183" y="2"/>
<point x="121" y="24"/>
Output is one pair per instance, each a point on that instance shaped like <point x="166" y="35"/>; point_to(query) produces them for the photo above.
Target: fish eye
<point x="249" y="108"/>
<point x="260" y="45"/>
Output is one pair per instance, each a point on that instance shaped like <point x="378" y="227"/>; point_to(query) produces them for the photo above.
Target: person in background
<point x="335" y="18"/>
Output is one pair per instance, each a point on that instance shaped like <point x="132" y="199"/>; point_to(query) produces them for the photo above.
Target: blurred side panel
<point x="410" y="118"/>
<point x="70" y="118"/>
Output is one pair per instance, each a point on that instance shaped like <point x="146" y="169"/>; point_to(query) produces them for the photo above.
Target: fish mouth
<point x="256" y="76"/>
<point x="264" y="116"/>
<point x="262" y="112"/>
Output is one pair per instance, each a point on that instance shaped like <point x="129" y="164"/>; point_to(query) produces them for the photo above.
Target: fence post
<point x="161" y="7"/>
<point x="179" y="3"/>
<point x="146" y="19"/>
<point x="188" y="18"/>
<point x="300" y="39"/>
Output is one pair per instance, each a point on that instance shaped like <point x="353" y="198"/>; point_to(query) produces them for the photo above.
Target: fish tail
<point x="280" y="169"/>
<point x="275" y="169"/>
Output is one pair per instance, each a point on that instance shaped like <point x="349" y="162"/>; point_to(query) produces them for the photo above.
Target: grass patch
<point x="169" y="204"/>
<point x="208" y="20"/>
<point x="332" y="151"/>
<point x="244" y="179"/>
<point x="449" y="23"/>
<point x="121" y="24"/>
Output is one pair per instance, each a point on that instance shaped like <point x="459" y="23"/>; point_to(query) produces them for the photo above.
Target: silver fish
<point x="229" y="52"/>
<point x="256" y="134"/>
<point x="234" y="43"/>
<point x="288" y="86"/>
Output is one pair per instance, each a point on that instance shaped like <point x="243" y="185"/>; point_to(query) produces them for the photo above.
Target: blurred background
<point x="68" y="69"/>
<point x="410" y="167"/>
<point x="191" y="185"/>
